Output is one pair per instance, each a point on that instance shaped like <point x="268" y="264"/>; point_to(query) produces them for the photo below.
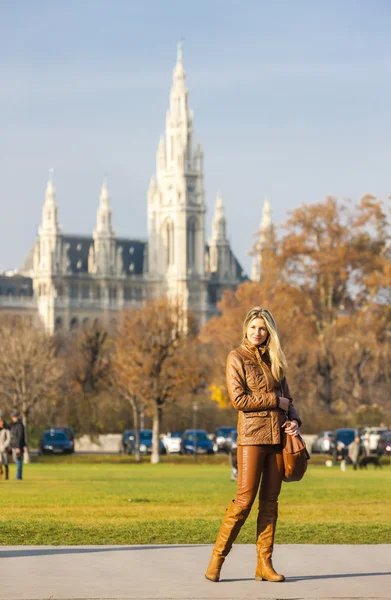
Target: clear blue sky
<point x="292" y="99"/>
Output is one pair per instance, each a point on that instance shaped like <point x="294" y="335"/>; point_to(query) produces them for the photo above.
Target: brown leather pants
<point x="255" y="462"/>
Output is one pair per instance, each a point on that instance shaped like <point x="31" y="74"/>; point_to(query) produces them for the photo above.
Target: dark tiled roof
<point x="16" y="285"/>
<point x="78" y="249"/>
<point x="133" y="253"/>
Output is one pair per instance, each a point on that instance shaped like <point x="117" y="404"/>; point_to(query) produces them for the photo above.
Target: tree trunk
<point x="157" y="418"/>
<point x="325" y="369"/>
<point x="136" y="421"/>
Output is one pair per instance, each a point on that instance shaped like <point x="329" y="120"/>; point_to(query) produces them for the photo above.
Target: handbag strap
<point x="282" y="394"/>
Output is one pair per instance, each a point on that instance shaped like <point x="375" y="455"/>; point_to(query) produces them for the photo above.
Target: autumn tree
<point x="335" y="256"/>
<point x="223" y="333"/>
<point x="30" y="370"/>
<point x="157" y="359"/>
<point x="327" y="281"/>
<point x="86" y="384"/>
<point x="123" y="381"/>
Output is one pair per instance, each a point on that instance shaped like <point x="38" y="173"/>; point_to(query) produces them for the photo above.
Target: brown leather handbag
<point x="295" y="456"/>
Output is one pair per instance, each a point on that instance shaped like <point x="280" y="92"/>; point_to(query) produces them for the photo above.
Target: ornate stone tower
<point x="176" y="206"/>
<point x="220" y="255"/>
<point x="265" y="229"/>
<point x="103" y="258"/>
<point x="47" y="258"/>
<point x="47" y="262"/>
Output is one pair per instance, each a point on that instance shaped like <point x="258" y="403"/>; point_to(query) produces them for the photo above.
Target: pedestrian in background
<point x="18" y="443"/>
<point x="5" y="439"/>
<point x="354" y="451"/>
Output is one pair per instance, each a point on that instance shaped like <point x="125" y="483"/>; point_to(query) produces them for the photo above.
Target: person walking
<point x="354" y="451"/>
<point x="259" y="391"/>
<point x="18" y="443"/>
<point x="5" y="438"/>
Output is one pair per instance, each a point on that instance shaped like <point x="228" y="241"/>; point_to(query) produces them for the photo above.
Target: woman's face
<point x="256" y="332"/>
<point x="1" y="424"/>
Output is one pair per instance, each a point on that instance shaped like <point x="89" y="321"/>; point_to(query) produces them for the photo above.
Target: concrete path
<point x="177" y="572"/>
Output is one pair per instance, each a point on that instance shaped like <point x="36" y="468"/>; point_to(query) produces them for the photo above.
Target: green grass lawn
<point x="61" y="502"/>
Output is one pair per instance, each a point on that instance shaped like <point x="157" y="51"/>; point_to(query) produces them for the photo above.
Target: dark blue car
<point x="196" y="441"/>
<point x="55" y="441"/>
<point x="129" y="440"/>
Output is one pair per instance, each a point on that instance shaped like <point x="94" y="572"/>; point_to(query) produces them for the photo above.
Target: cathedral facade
<point x="67" y="280"/>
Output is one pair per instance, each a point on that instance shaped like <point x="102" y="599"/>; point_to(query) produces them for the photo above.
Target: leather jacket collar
<point x="256" y="350"/>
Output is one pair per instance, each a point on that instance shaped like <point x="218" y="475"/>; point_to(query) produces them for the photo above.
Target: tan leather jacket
<point x="254" y="393"/>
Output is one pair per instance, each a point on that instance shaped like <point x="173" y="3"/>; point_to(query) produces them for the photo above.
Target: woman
<point x="259" y="391"/>
<point x="5" y="438"/>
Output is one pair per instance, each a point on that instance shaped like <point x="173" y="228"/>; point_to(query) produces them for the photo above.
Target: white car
<point x="172" y="442"/>
<point x="371" y="436"/>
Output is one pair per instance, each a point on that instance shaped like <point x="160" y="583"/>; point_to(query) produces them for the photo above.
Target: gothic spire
<point x="219" y="232"/>
<point x="50" y="210"/>
<point x="104" y="214"/>
<point x="265" y="229"/>
<point x="266" y="220"/>
<point x="179" y="71"/>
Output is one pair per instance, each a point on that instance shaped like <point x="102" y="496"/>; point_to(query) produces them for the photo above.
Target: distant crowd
<point x="12" y="443"/>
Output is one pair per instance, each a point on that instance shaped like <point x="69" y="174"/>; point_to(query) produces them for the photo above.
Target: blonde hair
<point x="277" y="357"/>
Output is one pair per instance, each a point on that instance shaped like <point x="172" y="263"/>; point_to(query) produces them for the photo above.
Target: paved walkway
<point x="177" y="572"/>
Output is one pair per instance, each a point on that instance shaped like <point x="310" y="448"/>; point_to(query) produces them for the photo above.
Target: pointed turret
<point x="266" y="224"/>
<point x="105" y="261"/>
<point x="47" y="257"/>
<point x="265" y="231"/>
<point x="49" y="223"/>
<point x="179" y="70"/>
<point x="219" y="249"/>
<point x="104" y="214"/>
<point x="179" y="121"/>
<point x="219" y="232"/>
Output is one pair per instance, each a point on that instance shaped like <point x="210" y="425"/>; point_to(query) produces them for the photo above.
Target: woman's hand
<point x="291" y="427"/>
<point x="283" y="403"/>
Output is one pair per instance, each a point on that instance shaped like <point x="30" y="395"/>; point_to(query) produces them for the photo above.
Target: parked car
<point x="55" y="441"/>
<point x="196" y="441"/>
<point x="221" y="438"/>
<point x="323" y="444"/>
<point x="172" y="442"/>
<point x="371" y="436"/>
<point x="384" y="444"/>
<point x="232" y="440"/>
<point x="129" y="437"/>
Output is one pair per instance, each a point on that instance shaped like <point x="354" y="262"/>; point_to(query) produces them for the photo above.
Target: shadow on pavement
<point x="30" y="552"/>
<point x="335" y="576"/>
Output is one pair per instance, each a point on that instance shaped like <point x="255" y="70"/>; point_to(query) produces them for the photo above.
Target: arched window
<point x="191" y="243"/>
<point x="74" y="323"/>
<point x="169" y="243"/>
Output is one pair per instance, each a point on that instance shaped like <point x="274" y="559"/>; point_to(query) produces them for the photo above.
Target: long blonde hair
<point x="277" y="357"/>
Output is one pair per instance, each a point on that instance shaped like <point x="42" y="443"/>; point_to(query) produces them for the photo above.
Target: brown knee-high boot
<point x="229" y="530"/>
<point x="6" y="469"/>
<point x="266" y="528"/>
